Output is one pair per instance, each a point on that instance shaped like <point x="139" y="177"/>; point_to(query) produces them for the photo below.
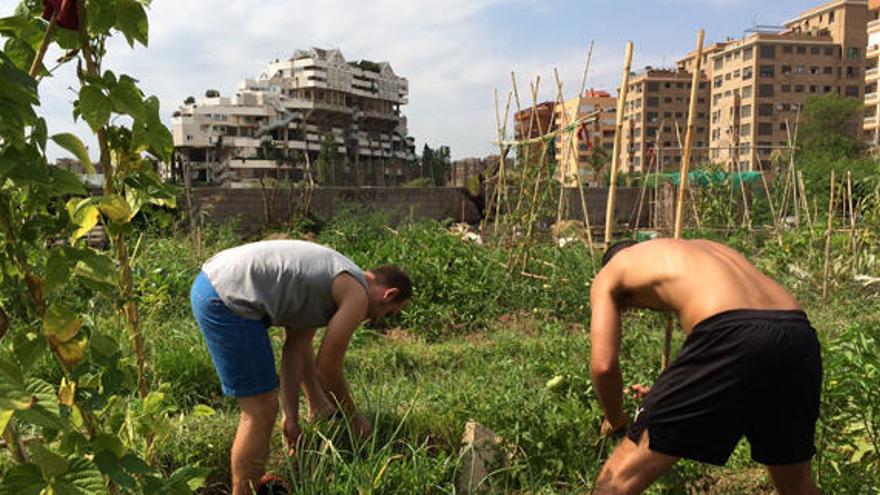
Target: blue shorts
<point x="239" y="347"/>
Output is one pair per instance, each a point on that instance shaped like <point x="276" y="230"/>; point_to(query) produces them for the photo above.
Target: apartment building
<point x="655" y="120"/>
<point x="533" y="122"/>
<point x="759" y="82"/>
<point x="586" y="151"/>
<point x="872" y="75"/>
<point x="276" y="123"/>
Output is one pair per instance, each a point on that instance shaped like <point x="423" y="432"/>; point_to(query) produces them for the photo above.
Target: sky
<point x="455" y="53"/>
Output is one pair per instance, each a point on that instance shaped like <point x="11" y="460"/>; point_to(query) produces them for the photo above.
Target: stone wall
<point x="248" y="206"/>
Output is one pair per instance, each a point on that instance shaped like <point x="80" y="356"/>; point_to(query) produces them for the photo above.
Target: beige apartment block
<point x="656" y="117"/>
<point x="586" y="152"/>
<point x="760" y="82"/>
<point x="276" y="123"/>
<point x="872" y="75"/>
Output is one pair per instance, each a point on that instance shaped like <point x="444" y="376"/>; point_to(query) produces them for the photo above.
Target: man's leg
<point x="794" y="479"/>
<point x="631" y="468"/>
<point x="251" y="445"/>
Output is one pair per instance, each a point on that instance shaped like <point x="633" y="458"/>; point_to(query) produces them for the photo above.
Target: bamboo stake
<point x="618" y="137"/>
<point x="683" y="178"/>
<point x="573" y="155"/>
<point x="828" y="239"/>
<point x="44" y="45"/>
<point x="852" y="214"/>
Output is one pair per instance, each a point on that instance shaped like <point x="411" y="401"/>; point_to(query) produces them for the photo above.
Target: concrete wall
<point x="222" y="205"/>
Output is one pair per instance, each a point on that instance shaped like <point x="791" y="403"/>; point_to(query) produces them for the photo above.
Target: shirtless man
<point x="301" y="286"/>
<point x="750" y="365"/>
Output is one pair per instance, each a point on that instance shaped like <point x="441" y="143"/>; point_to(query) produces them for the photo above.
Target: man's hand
<point x="292" y="435"/>
<point x="637" y="391"/>
<point x="361" y="426"/>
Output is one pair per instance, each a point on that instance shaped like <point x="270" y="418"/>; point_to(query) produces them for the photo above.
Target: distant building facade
<point x="586" y="151"/>
<point x="276" y="124"/>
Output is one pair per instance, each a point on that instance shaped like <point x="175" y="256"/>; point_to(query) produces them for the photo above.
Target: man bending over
<point x="750" y="365"/>
<point x="243" y="291"/>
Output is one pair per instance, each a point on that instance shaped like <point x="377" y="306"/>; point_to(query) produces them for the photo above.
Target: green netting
<point x="706" y="177"/>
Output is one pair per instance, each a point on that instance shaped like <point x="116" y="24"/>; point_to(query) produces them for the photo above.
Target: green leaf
<point x="131" y="20"/>
<point x="50" y="463"/>
<point x="84" y="215"/>
<point x="83" y="478"/>
<point x="94" y="107"/>
<point x="28" y="346"/>
<point x="202" y="410"/>
<point x="44" y="410"/>
<point x="109" y="464"/>
<point x="76" y="147"/>
<point x="97" y="267"/>
<point x="5" y="416"/>
<point x="127" y="98"/>
<point x="114" y="207"/>
<point x="108" y="442"/>
<point x="135" y="464"/>
<point x="24" y="479"/>
<point x="21" y="53"/>
<point x="101" y="15"/>
<point x="192" y="477"/>
<point x="61" y="324"/>
<point x="161" y="142"/>
<point x="28" y="30"/>
<point x="57" y="269"/>
<point x="13" y="392"/>
<point x="64" y="183"/>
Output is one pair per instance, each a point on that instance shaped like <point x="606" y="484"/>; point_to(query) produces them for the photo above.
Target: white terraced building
<point x="276" y="123"/>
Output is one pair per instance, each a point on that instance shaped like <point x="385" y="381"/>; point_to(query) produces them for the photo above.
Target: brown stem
<point x="44" y="45"/>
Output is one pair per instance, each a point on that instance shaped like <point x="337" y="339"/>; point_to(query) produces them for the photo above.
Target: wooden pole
<point x="689" y="137"/>
<point x="683" y="177"/>
<point x="618" y="137"/>
<point x="828" y="239"/>
<point x="852" y="215"/>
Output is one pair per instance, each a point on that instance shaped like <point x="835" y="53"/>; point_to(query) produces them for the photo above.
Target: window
<point x="814" y="70"/>
<point x="718" y="81"/>
<point x="852" y="72"/>
<point x="765" y="129"/>
<point x="719" y="63"/>
<point x="747" y="53"/>
<point x="745" y="129"/>
<point x="727" y="76"/>
<point x="765" y="90"/>
<point x="826" y="89"/>
<point x="747" y="91"/>
<point x="652" y="116"/>
<point x="812" y="89"/>
<point x="653" y="87"/>
<point x="829" y="51"/>
<point x="785" y="88"/>
<point x="815" y="50"/>
<point x="852" y="91"/>
<point x="831" y="17"/>
<point x="801" y="49"/>
<point x="798" y="88"/>
<point x="667" y="115"/>
<point x="828" y="70"/>
<point x="737" y="74"/>
<point x="667" y="99"/>
<point x="768" y="51"/>
<point x="652" y="101"/>
<point x="765" y="110"/>
<point x="766" y="71"/>
<point x="786" y="49"/>
<point x="853" y="53"/>
<point x="747" y="73"/>
<point x="680" y="85"/>
<point x="745" y="111"/>
<point x="786" y="70"/>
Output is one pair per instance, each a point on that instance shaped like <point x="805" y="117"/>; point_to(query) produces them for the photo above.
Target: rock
<point x="481" y="453"/>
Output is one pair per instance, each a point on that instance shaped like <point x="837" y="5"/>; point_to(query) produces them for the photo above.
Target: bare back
<point x="694" y="278"/>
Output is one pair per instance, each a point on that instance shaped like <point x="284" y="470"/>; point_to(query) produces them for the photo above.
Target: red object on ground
<point x="584" y="134"/>
<point x="272" y="485"/>
<point x="68" y="17"/>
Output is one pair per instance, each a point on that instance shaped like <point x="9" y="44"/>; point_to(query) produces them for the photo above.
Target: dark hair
<point x="616" y="248"/>
<point x="393" y="277"/>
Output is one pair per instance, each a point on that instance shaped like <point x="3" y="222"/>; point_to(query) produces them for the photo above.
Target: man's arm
<point x="351" y="299"/>
<point x="605" y="351"/>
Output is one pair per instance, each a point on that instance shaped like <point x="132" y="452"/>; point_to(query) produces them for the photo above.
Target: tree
<point x="189" y="100"/>
<point x="442" y="166"/>
<point x="326" y="166"/>
<point x="426" y="162"/>
<point x="212" y="93"/>
<point x="831" y="127"/>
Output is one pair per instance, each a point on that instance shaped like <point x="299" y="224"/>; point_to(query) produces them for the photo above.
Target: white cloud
<point x="448" y="51"/>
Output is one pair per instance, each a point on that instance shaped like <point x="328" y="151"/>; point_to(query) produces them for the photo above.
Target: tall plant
<point x="93" y="425"/>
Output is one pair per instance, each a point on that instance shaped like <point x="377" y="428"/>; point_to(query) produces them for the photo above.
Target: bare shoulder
<point x="347" y="288"/>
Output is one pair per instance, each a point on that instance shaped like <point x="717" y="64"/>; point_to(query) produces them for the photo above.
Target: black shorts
<point x="744" y="372"/>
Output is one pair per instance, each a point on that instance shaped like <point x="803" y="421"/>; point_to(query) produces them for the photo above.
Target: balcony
<point x="872" y="98"/>
<point x="874" y="26"/>
<point x="872" y="74"/>
<point x="873" y="51"/>
<point x="870" y="121"/>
